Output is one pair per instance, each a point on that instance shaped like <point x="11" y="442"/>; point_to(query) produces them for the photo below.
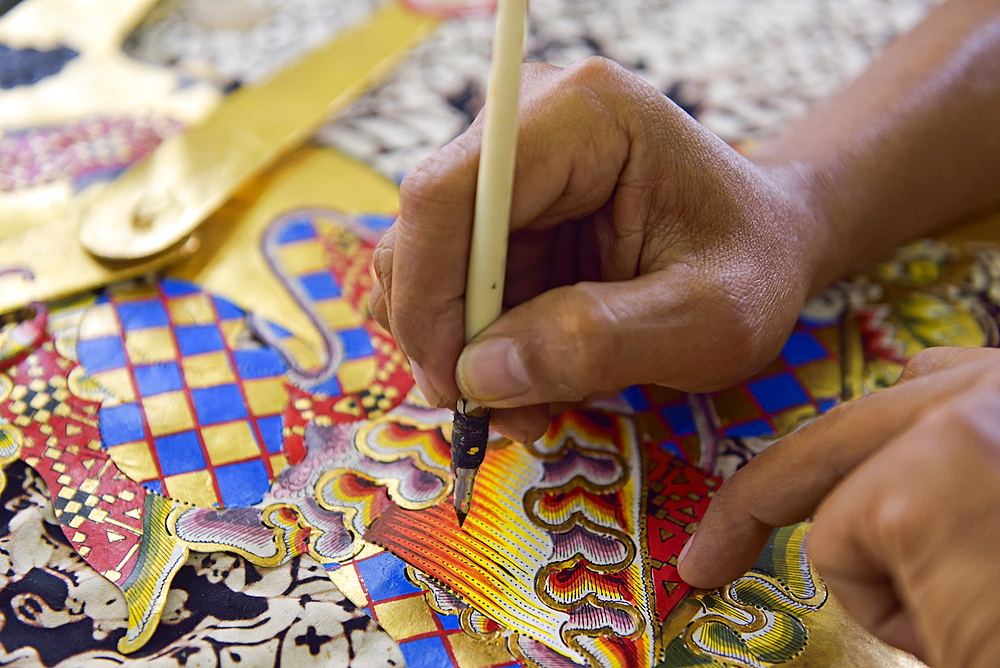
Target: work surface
<point x="226" y="463"/>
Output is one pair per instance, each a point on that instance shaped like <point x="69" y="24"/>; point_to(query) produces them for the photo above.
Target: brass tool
<point x="143" y="221"/>
<point x="161" y="200"/>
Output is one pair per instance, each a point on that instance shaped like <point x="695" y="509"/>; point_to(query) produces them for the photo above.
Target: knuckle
<point x="603" y="82"/>
<point x="382" y="259"/>
<point x="593" y="69"/>
<point x="900" y="519"/>
<point x="422" y="188"/>
<point x="387" y="241"/>
<point x="615" y="89"/>
<point x="924" y="362"/>
<point x="430" y="186"/>
<point x="590" y="84"/>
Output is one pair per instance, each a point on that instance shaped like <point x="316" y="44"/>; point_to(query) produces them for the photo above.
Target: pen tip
<point x="461" y="517"/>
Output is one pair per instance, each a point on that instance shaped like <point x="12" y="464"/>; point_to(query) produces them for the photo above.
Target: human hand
<point x="905" y="489"/>
<point x="643" y="249"/>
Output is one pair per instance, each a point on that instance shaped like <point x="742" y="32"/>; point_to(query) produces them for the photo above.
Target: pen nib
<point x="465" y="479"/>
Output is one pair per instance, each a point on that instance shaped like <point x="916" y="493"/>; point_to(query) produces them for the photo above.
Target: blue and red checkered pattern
<point x="199" y="405"/>
<point x="802" y="383"/>
<point x="805" y="381"/>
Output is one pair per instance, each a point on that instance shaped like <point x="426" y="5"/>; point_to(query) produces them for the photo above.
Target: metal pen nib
<point x="465" y="482"/>
<point x="469" y="437"/>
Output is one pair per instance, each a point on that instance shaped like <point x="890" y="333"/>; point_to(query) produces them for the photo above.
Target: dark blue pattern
<point x="23" y="67"/>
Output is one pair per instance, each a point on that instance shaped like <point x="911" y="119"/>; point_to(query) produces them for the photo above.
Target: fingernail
<point x="492" y="369"/>
<point x="511" y="433"/>
<point x="687" y="546"/>
<point x="424" y="384"/>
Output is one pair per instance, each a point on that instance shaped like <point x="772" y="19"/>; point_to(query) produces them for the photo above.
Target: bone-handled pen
<point x="488" y="252"/>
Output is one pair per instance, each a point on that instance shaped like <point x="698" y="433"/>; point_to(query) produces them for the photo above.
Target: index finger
<point x="554" y="180"/>
<point x="429" y="262"/>
<point x="786" y="483"/>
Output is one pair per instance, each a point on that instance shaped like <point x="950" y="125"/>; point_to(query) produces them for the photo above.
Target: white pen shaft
<point x="488" y="254"/>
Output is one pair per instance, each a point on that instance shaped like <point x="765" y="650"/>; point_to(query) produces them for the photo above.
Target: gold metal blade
<point x="163" y="199"/>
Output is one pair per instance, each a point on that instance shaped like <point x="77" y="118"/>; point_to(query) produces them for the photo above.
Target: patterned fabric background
<point x="745" y="69"/>
<point x="221" y="610"/>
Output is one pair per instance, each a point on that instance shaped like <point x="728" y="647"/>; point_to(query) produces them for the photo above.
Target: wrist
<point x="822" y="238"/>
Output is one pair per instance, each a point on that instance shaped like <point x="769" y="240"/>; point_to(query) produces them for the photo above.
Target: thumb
<point x="571" y="342"/>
